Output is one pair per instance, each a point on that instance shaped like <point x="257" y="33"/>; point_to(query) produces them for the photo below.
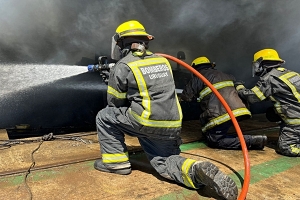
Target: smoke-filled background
<point x="228" y="32"/>
<point x="38" y="33"/>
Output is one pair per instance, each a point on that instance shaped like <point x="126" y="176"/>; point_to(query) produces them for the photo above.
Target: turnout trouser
<point x="289" y="140"/>
<point x="217" y="137"/>
<point x="163" y="154"/>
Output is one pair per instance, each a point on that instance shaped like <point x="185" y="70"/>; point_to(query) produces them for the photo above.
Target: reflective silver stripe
<point x="156" y="123"/>
<point x="115" y="158"/>
<point x="258" y="93"/>
<point x="223" y="118"/>
<point x="115" y="93"/>
<point x="218" y="86"/>
<point x="285" y="78"/>
<point x="185" y="172"/>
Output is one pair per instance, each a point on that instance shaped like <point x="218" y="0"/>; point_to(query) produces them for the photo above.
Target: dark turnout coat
<point x="213" y="112"/>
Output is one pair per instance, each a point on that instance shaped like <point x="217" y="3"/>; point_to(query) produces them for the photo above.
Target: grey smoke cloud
<point x="227" y="32"/>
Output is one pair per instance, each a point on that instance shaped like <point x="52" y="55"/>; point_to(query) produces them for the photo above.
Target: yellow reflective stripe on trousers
<point x="115" y="158"/>
<point x="258" y="93"/>
<point x="223" y="118"/>
<point x="115" y="93"/>
<point x="187" y="164"/>
<point x="285" y="78"/>
<point x="218" y="86"/>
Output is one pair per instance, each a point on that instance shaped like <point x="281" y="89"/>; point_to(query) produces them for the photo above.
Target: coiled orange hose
<point x="245" y="185"/>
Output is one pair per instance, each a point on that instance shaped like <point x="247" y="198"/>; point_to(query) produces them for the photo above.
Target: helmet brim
<point x="139" y="33"/>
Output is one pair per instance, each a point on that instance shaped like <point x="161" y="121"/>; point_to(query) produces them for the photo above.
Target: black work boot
<point x="258" y="142"/>
<point x="122" y="169"/>
<point x="208" y="174"/>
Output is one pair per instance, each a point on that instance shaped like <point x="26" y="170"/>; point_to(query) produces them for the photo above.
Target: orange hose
<point x="245" y="185"/>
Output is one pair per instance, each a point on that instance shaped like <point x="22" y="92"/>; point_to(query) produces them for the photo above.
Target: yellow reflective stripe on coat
<point x="277" y="106"/>
<point x="223" y="118"/>
<point x="258" y="93"/>
<point x="115" y="158"/>
<point x="156" y="123"/>
<point x="143" y="92"/>
<point x="141" y="82"/>
<point x="144" y="117"/>
<point x="285" y="78"/>
<point x="295" y="149"/>
<point x="218" y="86"/>
<point x="292" y="121"/>
<point x="115" y="93"/>
<point x="179" y="108"/>
<point x="187" y="164"/>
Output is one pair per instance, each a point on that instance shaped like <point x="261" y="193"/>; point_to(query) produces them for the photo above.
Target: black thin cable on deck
<point x="4" y="144"/>
<point x="49" y="137"/>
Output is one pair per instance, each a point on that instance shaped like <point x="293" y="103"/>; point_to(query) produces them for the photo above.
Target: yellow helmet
<point x="267" y="54"/>
<point x="131" y="28"/>
<point x="200" y="60"/>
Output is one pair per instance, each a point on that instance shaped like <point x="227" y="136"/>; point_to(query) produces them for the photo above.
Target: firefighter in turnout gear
<point x="282" y="87"/>
<point x="214" y="118"/>
<point x="142" y="103"/>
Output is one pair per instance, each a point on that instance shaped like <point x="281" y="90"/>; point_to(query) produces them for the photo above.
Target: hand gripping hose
<point x="245" y="185"/>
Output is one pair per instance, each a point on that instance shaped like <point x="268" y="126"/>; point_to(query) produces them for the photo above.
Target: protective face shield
<point x="115" y="49"/>
<point x="257" y="69"/>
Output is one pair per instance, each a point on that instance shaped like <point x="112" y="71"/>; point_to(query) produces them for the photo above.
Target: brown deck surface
<point x="64" y="169"/>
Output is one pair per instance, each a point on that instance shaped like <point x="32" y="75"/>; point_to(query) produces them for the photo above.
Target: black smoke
<point x="74" y="31"/>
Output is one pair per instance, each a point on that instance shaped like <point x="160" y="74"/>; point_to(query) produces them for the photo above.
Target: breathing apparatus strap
<point x="140" y="49"/>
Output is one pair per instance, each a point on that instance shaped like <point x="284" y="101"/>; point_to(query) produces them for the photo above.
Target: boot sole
<point x="211" y="176"/>
<point x="125" y="171"/>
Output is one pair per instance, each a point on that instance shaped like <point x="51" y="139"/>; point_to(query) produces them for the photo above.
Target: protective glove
<point x="105" y="75"/>
<point x="239" y="85"/>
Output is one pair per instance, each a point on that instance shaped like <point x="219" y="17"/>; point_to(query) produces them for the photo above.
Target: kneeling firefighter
<point x="282" y="87"/>
<point x="142" y="103"/>
<point x="214" y="118"/>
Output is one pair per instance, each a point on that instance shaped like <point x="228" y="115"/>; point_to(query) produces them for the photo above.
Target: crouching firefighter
<point x="142" y="103"/>
<point x="282" y="87"/>
<point x="214" y="118"/>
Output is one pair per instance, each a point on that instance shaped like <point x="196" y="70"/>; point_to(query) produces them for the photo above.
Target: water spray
<point x="245" y="185"/>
